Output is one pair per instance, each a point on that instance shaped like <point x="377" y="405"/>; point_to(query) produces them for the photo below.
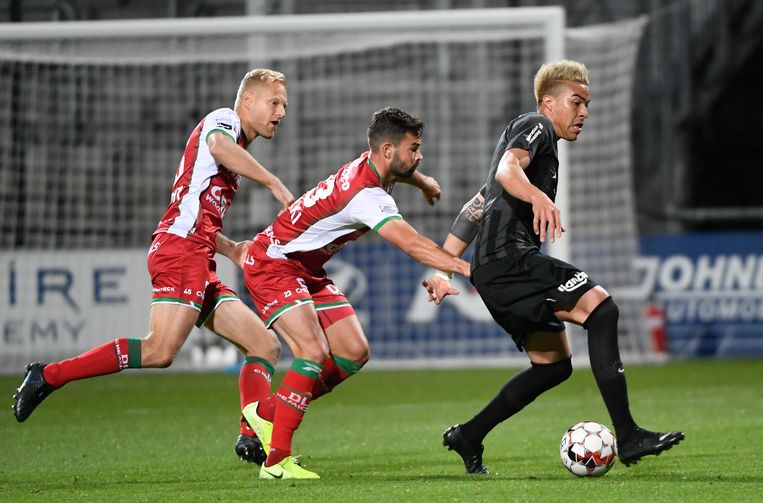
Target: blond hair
<point x="551" y="75"/>
<point x="258" y="76"/>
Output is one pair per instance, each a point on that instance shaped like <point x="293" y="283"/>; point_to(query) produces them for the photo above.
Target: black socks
<point x="519" y="391"/>
<point x="606" y="365"/>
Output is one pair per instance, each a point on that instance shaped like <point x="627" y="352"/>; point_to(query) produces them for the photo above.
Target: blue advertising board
<point x="710" y="287"/>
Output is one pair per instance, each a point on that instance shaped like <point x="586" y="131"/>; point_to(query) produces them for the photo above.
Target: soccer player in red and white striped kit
<point x="186" y="289"/>
<point x="283" y="270"/>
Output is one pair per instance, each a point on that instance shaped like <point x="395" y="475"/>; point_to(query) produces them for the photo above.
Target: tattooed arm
<point x="462" y="232"/>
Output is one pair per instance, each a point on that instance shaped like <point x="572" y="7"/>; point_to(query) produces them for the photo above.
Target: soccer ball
<point x="588" y="449"/>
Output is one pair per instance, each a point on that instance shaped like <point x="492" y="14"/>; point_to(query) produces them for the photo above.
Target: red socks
<point x="114" y="356"/>
<point x="291" y="402"/>
<point x="253" y="386"/>
<point x="254" y="380"/>
<point x="331" y="376"/>
<point x="328" y="379"/>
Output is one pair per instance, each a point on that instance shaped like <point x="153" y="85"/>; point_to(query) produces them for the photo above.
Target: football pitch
<point x="158" y="436"/>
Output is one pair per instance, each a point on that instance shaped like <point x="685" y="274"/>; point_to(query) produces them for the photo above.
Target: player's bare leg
<point x="235" y="322"/>
<point x="169" y="328"/>
<point x="171" y="324"/>
<point x="349" y="351"/>
<point x="598" y="314"/>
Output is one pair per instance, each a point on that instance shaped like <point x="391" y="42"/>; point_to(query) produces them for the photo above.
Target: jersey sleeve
<point x="532" y="133"/>
<point x="373" y="207"/>
<point x="222" y="120"/>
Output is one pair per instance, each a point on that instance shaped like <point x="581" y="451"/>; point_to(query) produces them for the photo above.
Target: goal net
<point x="96" y="115"/>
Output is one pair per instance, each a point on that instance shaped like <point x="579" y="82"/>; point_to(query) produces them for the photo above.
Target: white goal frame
<point x="543" y="24"/>
<point x="547" y="23"/>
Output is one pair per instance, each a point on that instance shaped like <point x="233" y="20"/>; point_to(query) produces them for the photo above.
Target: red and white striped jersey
<point x="203" y="190"/>
<point x="339" y="209"/>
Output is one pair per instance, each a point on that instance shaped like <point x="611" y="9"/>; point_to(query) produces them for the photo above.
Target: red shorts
<point x="183" y="272"/>
<point x="278" y="285"/>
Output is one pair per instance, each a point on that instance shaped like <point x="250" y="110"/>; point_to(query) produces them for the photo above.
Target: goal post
<point x="539" y="22"/>
<point x="98" y="113"/>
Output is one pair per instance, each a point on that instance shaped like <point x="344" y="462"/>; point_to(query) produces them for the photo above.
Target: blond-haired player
<point x="531" y="294"/>
<point x="186" y="289"/>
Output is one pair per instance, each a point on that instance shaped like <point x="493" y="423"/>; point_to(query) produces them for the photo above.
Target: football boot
<point x="470" y="453"/>
<point x="32" y="391"/>
<point x="642" y="443"/>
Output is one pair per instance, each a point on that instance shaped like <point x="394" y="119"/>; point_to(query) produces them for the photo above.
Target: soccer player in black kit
<point x="531" y="294"/>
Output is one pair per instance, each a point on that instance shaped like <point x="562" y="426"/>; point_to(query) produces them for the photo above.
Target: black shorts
<point x="522" y="292"/>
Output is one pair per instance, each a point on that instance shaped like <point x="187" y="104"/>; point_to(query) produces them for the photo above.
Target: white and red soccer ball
<point x="588" y="449"/>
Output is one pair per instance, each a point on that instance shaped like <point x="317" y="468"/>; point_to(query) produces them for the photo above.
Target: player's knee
<point x="359" y="353"/>
<point x="274" y="352"/>
<point x="364" y="358"/>
<point x="554" y="373"/>
<point x="155" y="355"/>
<point x="315" y="352"/>
<point x="268" y="347"/>
<point x="162" y="359"/>
<point x="606" y="312"/>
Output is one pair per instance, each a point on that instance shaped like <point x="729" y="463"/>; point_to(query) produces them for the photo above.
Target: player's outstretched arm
<point x="235" y="251"/>
<point x="512" y="177"/>
<point x="461" y="234"/>
<point x="429" y="187"/>
<point x="237" y="159"/>
<point x="420" y="248"/>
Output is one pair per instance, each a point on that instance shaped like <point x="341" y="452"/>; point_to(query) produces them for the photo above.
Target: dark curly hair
<point x="391" y="124"/>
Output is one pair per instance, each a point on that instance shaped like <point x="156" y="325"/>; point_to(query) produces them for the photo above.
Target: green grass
<point x="156" y="436"/>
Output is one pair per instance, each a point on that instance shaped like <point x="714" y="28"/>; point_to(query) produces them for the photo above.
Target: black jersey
<point x="506" y="229"/>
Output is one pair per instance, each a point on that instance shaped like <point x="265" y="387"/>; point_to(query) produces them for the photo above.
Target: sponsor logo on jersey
<point x="387" y="208"/>
<point x="534" y="133"/>
<point x="574" y="283"/>
<point x="225" y="125"/>
<point x="216" y="198"/>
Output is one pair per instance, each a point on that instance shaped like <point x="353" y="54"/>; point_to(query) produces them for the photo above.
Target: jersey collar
<point x="376" y="171"/>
